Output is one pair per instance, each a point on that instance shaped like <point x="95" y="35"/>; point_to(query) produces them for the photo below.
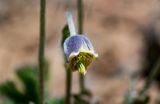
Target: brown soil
<point x="113" y="26"/>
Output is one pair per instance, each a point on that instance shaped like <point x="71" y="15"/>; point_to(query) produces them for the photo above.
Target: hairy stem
<point x="80" y="16"/>
<point x="41" y="50"/>
<point x="68" y="86"/>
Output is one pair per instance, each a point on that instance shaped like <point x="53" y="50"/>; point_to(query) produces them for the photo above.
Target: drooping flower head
<point x="78" y="49"/>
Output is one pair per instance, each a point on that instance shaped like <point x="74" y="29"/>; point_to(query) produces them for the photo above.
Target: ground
<point x="114" y="27"/>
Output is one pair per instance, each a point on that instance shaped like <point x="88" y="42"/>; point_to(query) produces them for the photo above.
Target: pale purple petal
<point x="73" y="44"/>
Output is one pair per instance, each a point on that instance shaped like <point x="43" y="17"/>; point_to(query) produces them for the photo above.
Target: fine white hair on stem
<point x="70" y="22"/>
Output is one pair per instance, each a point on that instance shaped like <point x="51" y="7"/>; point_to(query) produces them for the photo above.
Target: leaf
<point x="29" y="77"/>
<point x="9" y="89"/>
<point x="65" y="33"/>
<point x="57" y="101"/>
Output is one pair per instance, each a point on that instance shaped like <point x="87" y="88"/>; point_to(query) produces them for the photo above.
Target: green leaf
<point x="9" y="89"/>
<point x="57" y="101"/>
<point x="29" y="77"/>
<point x="65" y="33"/>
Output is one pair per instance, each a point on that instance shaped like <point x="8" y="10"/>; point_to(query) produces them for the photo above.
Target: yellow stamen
<point x="82" y="69"/>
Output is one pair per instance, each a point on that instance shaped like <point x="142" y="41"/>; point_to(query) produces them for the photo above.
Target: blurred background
<point x="125" y="34"/>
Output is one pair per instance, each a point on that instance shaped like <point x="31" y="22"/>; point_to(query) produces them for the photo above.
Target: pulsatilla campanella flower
<point x="78" y="49"/>
<point x="79" y="52"/>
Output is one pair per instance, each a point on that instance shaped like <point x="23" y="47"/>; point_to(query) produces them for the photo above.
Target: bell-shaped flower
<point x="78" y="49"/>
<point x="79" y="52"/>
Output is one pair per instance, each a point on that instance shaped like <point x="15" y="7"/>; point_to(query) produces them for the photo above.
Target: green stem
<point x="80" y="31"/>
<point x="68" y="86"/>
<point x="80" y="16"/>
<point x="152" y="76"/>
<point x="41" y="50"/>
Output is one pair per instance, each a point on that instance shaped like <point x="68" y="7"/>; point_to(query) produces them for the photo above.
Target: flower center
<point x="81" y="61"/>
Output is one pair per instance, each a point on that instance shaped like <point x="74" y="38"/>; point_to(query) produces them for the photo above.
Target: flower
<point x="79" y="52"/>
